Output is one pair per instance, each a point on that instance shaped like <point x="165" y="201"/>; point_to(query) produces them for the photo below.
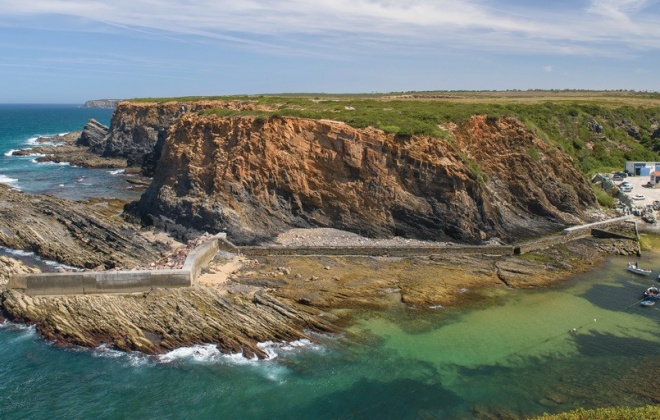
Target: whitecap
<point x="26" y="332"/>
<point x="134" y="359"/>
<point x="9" y="181"/>
<point x="33" y="140"/>
<point x="117" y="172"/>
<point x="29" y="254"/>
<point x="11" y="152"/>
<point x="273" y="349"/>
<point x="4" y="179"/>
<point x="50" y="163"/>
<point x="17" y="252"/>
<point x="198" y="353"/>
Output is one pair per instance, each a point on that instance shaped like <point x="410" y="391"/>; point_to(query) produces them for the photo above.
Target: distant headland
<point x="101" y="103"/>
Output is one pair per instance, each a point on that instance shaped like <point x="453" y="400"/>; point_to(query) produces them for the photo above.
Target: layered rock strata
<point x="163" y="320"/>
<point x="10" y="267"/>
<point x="244" y="301"/>
<point x="86" y="235"/>
<point x="138" y="129"/>
<point x="254" y="178"/>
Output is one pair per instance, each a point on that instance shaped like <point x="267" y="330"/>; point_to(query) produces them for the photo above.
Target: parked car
<point x="621" y="174"/>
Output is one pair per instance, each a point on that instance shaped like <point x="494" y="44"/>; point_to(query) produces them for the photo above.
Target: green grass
<point x="603" y="197"/>
<point x="599" y="130"/>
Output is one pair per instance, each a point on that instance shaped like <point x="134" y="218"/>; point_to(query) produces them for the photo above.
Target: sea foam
<point x="4" y="179"/>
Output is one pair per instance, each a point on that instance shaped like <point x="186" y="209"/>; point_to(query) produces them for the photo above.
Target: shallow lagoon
<point x="515" y="356"/>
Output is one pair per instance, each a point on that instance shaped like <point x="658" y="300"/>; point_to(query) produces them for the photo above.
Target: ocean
<point x="584" y="343"/>
<point x="21" y="125"/>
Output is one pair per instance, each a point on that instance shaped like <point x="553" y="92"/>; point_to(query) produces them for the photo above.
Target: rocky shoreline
<point x="64" y="148"/>
<point x="240" y="302"/>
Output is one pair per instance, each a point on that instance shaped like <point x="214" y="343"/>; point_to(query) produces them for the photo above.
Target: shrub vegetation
<point x="599" y="130"/>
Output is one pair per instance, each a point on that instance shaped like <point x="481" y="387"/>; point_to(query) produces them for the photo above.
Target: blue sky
<point x="68" y="51"/>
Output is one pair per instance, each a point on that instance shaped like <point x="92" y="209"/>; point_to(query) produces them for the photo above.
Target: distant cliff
<point x="101" y="103"/>
<point x="255" y="177"/>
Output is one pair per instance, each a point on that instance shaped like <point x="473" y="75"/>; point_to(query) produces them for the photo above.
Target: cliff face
<point x="138" y="130"/>
<point x="254" y="178"/>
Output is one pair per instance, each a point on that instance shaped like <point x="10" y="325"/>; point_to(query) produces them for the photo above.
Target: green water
<point x="516" y="356"/>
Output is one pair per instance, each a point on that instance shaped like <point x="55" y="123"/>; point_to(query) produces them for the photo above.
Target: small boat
<point x="634" y="268"/>
<point x="652" y="293"/>
<point x="647" y="302"/>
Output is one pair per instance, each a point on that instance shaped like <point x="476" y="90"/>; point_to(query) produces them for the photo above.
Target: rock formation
<point x="78" y="234"/>
<point x="101" y="103"/>
<point x="163" y="320"/>
<point x="255" y="177"/>
<point x="138" y="129"/>
<point x="93" y="135"/>
<point x="10" y="266"/>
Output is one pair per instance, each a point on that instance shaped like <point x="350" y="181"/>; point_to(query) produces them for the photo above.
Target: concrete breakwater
<point x="94" y="282"/>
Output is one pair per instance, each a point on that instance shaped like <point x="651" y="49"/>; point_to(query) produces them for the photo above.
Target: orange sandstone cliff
<point x="255" y="177"/>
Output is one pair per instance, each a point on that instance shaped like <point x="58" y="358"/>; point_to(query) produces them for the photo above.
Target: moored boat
<point x="647" y="302"/>
<point x="634" y="268"/>
<point x="652" y="293"/>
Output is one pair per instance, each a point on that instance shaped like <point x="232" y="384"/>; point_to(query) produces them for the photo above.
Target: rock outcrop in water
<point x="255" y="177"/>
<point x="163" y="320"/>
<point x="93" y="135"/>
<point x="78" y="234"/>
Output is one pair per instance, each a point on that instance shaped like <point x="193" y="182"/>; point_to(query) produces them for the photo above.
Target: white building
<point x="642" y="168"/>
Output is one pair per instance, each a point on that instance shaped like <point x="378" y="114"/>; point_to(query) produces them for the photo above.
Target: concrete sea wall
<point x="143" y="280"/>
<point x="257" y="251"/>
<point x="92" y="282"/>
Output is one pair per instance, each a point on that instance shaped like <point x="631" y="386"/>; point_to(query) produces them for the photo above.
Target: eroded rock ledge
<point x="163" y="320"/>
<point x="79" y="234"/>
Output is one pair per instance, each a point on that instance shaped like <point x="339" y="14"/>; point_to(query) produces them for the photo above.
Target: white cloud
<point x="548" y="69"/>
<point x="604" y="27"/>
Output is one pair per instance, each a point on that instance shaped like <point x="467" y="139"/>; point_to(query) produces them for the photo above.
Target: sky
<point x="69" y="51"/>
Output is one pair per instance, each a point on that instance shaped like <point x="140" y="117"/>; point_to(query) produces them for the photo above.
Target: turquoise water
<point x="517" y="356"/>
<point x="21" y="125"/>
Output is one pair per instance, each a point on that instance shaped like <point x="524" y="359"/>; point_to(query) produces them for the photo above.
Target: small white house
<point x="655" y="179"/>
<point x="642" y="168"/>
